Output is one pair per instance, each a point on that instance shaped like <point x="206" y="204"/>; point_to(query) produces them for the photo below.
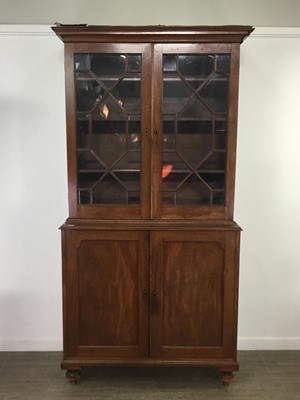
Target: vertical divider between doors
<point x="150" y="291"/>
<point x="144" y="309"/>
<point x="146" y="128"/>
<point x="156" y="299"/>
<point x="156" y="118"/>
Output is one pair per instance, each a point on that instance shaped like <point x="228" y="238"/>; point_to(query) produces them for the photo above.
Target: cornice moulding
<point x="45" y="30"/>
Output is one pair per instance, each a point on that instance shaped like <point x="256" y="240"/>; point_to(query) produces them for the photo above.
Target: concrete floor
<point x="263" y="375"/>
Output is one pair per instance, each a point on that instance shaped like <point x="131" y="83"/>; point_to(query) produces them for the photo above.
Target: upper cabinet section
<point x="151" y="120"/>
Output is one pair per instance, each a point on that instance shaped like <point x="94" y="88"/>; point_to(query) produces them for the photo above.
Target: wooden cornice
<point x="153" y="34"/>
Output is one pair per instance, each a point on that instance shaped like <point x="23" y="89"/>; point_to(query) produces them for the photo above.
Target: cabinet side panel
<point x="70" y="295"/>
<point x="232" y="130"/>
<point x="231" y="285"/>
<point x="71" y="128"/>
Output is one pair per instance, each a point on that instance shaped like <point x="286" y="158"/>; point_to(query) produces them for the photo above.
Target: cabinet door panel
<point x="196" y="119"/>
<point x="108" y="88"/>
<point x="106" y="277"/>
<point x="194" y="275"/>
<point x="186" y="275"/>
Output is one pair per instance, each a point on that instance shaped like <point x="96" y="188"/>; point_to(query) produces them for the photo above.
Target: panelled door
<point x="106" y="282"/>
<point x="194" y="294"/>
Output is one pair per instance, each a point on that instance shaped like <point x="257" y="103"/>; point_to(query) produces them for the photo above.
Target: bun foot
<point x="73" y="376"/>
<point x="226" y="377"/>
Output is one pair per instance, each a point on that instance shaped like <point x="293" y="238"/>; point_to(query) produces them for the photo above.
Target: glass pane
<point x="134" y="63"/>
<point x="109" y="191"/>
<point x="130" y="161"/>
<point x="88" y="179"/>
<point x="223" y="63"/>
<point x="172" y="178"/>
<point x="81" y="64"/>
<point x="87" y="160"/>
<point x="193" y="191"/>
<point x="88" y="93"/>
<point x="218" y="198"/>
<point x="220" y="140"/>
<point x="108" y="112"/>
<point x="84" y="197"/>
<point x="176" y="93"/>
<point x="127" y="92"/>
<point x="215" y="161"/>
<point x="194" y="148"/>
<point x="134" y="140"/>
<point x="195" y="66"/>
<point x="169" y="63"/>
<point x="195" y="109"/>
<point x="130" y="180"/>
<point x="108" y="65"/>
<point x="214" y="180"/>
<point x="215" y="94"/>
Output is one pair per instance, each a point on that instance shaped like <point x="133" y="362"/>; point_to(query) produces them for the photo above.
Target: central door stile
<point x="144" y="314"/>
<point x="157" y="80"/>
<point x="146" y="128"/>
<point x="150" y="291"/>
<point x="155" y="294"/>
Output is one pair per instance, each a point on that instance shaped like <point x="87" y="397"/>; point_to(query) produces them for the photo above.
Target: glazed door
<point x="194" y="294"/>
<point x="194" y="120"/>
<point x="105" y="280"/>
<point x="108" y="90"/>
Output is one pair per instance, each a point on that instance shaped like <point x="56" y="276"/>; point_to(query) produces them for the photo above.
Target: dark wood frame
<point x="150" y="224"/>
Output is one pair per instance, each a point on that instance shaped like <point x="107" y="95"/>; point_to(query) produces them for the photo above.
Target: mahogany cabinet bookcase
<point x="150" y="248"/>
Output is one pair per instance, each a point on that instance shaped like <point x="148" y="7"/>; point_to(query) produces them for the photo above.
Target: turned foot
<point x="226" y="377"/>
<point x="73" y="375"/>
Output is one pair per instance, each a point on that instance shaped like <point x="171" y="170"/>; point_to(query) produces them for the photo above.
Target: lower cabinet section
<point x="150" y="297"/>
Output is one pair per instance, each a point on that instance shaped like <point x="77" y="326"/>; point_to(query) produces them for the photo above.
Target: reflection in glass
<point x="134" y="63"/>
<point x="215" y="95"/>
<point x="194" y="66"/>
<point x="169" y="63"/>
<point x="195" y="111"/>
<point x="193" y="191"/>
<point x="108" y="65"/>
<point x="108" y="113"/>
<point x="88" y="94"/>
<point x="81" y="64"/>
<point x="223" y="63"/>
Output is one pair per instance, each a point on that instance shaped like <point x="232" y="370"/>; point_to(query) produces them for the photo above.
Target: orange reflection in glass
<point x="166" y="170"/>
